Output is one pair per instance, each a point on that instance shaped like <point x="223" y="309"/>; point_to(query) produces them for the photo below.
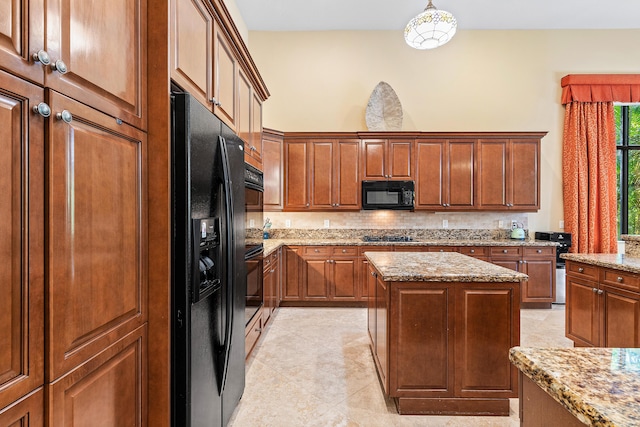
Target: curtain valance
<point x="600" y="88"/>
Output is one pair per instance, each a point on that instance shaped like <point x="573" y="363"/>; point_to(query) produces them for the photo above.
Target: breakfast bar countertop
<point x="438" y="267"/>
<point x="599" y="386"/>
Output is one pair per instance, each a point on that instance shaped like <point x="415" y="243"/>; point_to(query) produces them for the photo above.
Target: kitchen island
<point x="578" y="386"/>
<point x="441" y="326"/>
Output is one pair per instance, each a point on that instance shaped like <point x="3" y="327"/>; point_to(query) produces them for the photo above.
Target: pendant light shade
<point x="430" y="29"/>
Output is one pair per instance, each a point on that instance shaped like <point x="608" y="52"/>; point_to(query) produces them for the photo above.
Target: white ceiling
<point x="318" y="15"/>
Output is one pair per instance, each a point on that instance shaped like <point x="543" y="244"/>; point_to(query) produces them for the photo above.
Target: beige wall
<point x="481" y="80"/>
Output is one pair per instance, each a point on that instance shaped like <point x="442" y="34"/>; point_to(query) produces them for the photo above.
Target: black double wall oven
<point x="253" y="191"/>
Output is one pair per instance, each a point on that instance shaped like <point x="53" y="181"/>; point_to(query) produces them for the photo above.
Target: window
<point x="628" y="168"/>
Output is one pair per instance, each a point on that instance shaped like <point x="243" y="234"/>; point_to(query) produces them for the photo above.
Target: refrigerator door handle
<point x="228" y="191"/>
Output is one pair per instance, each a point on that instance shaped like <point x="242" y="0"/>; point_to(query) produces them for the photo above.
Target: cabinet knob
<point x="504" y="251"/>
<point x="441" y="250"/>
<point x="472" y="251"/>
<point x="594" y="290"/>
<point x="42" y="57"/>
<point x="253" y="148"/>
<point x="620" y="279"/>
<point x="215" y="102"/>
<point x="273" y="271"/>
<point x="600" y="292"/>
<point x="316" y="250"/>
<point x="307" y="204"/>
<point x="344" y="251"/>
<point x="580" y="270"/>
<point x="43" y="109"/>
<point x="539" y="251"/>
<point x="59" y="66"/>
<point x="373" y="273"/>
<point x="65" y="116"/>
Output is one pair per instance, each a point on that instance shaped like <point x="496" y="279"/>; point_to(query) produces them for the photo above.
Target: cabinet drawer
<point x="475" y="251"/>
<point x="316" y="250"/>
<point x="503" y="251"/>
<point x="540" y="251"/>
<point x="364" y="249"/>
<point x="345" y="251"/>
<point x="443" y="249"/>
<point x="585" y="271"/>
<point x="620" y="279"/>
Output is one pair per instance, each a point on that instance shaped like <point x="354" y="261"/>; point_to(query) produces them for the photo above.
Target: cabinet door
<point x="347" y="187"/>
<point x="582" y="312"/>
<point x="97" y="233"/>
<point x="400" y="161"/>
<point x="255" y="137"/>
<point x="225" y="73"/>
<point x="321" y="167"/>
<point x="112" y="384"/>
<point x="315" y="279"/>
<point x="460" y="174"/>
<point x="28" y="412"/>
<point x="369" y="282"/>
<point x="374" y="159"/>
<point x="382" y="332"/>
<point x="524" y="175"/>
<point x="344" y="279"/>
<point x="273" y="167"/>
<point x="267" y="290"/>
<point x="482" y="363"/>
<point x="430" y="174"/>
<point x="292" y="279"/>
<point x="103" y="46"/>
<point x="539" y="287"/>
<point x="621" y="318"/>
<point x="296" y="175"/>
<point x="21" y="35"/>
<point x="21" y="239"/>
<point x="243" y="121"/>
<point x="492" y="173"/>
<point x="191" y="48"/>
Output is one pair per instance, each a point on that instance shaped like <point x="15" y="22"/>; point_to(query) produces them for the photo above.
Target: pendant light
<point x="430" y="29"/>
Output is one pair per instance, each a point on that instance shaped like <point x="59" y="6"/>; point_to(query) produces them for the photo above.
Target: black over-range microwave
<point x="388" y="195"/>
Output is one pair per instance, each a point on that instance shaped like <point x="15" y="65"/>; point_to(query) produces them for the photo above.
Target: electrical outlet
<point x="561" y="224"/>
<point x="445" y="223"/>
<point x="287" y="223"/>
<point x="514" y="224"/>
<point x="500" y="224"/>
<point x="252" y="223"/>
<point x="326" y="223"/>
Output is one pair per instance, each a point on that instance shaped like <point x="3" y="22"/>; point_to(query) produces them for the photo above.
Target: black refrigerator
<point x="208" y="270"/>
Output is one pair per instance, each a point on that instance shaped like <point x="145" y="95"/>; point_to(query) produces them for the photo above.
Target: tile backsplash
<point x="386" y="219"/>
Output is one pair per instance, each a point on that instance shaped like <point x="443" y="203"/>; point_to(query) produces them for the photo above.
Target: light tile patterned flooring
<point x="314" y="368"/>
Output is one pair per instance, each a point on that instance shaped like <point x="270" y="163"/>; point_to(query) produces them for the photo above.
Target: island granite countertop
<point x="438" y="267"/>
<point x="599" y="386"/>
<point x="271" y="245"/>
<point x="621" y="262"/>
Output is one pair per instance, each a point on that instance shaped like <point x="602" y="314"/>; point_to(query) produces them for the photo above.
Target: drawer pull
<point x="539" y="251"/>
<point x="594" y="290"/>
<point x="316" y="250"/>
<point x="472" y="251"/>
<point x="504" y="251"/>
<point x="441" y="250"/>
<point x="580" y="270"/>
<point x="373" y="273"/>
<point x="620" y="279"/>
<point x="600" y="292"/>
<point x="344" y="251"/>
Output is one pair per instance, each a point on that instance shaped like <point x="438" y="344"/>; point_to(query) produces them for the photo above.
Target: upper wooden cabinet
<point x="272" y="161"/>
<point x="97" y="233"/>
<point x="445" y="174"/>
<point x="22" y="36"/>
<point x="21" y="240"/>
<point x="225" y="75"/>
<point x="94" y="53"/>
<point x="387" y="159"/>
<point x="508" y="174"/>
<point x="249" y="120"/>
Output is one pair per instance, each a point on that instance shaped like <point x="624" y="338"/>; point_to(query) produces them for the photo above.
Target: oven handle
<point x="254" y="253"/>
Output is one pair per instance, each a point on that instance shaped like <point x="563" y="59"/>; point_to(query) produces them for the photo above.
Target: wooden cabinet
<point x="255" y="128"/>
<point x="296" y="173"/>
<point x="508" y="174"/>
<point x="26" y="412"/>
<point x="315" y="278"/>
<point x="344" y="274"/>
<point x="479" y="252"/>
<point x="97" y="268"/>
<point x="468" y="369"/>
<point x="249" y="120"/>
<point x="444" y="173"/>
<point x="603" y="306"/>
<point x="271" y="285"/>
<point x="272" y="162"/>
<point x="387" y="159"/>
<point x="292" y="274"/>
<point x="22" y="240"/>
<point x="225" y="73"/>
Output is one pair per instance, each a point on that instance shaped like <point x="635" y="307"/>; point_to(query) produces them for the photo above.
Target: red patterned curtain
<point x="589" y="157"/>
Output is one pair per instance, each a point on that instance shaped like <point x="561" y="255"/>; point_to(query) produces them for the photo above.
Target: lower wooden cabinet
<point x="26" y="412"/>
<point x="290" y="289"/>
<point x="271" y="285"/>
<point x="599" y="313"/>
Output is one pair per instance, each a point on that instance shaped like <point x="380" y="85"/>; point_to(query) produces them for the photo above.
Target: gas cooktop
<point x="387" y="238"/>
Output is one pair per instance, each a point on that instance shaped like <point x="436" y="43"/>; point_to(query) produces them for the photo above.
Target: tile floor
<point x="314" y="368"/>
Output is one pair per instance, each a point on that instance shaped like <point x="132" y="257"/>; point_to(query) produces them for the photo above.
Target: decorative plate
<point x="384" y="111"/>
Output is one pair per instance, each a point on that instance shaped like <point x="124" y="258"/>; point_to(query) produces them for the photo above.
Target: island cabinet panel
<point x="602" y="311"/>
<point x="97" y="269"/>
<point x="414" y="330"/>
<point x="108" y="390"/>
<point x="22" y="35"/>
<point x="21" y="239"/>
<point x="291" y="280"/>
<point x="381" y="348"/>
<point x="487" y="322"/>
<point x="103" y="48"/>
<point x="26" y="412"/>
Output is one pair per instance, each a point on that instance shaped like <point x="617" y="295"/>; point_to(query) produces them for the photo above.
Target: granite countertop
<point x="621" y="262"/>
<point x="438" y="267"/>
<point x="271" y="245"/>
<point x="600" y="386"/>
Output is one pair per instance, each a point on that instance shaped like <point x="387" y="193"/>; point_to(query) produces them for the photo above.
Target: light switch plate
<point x="561" y="225"/>
<point x="445" y="223"/>
<point x="326" y="223"/>
<point x="500" y="224"/>
<point x="287" y="223"/>
<point x="252" y="223"/>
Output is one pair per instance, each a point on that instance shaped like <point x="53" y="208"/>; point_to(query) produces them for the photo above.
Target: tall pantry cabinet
<point x="73" y="215"/>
